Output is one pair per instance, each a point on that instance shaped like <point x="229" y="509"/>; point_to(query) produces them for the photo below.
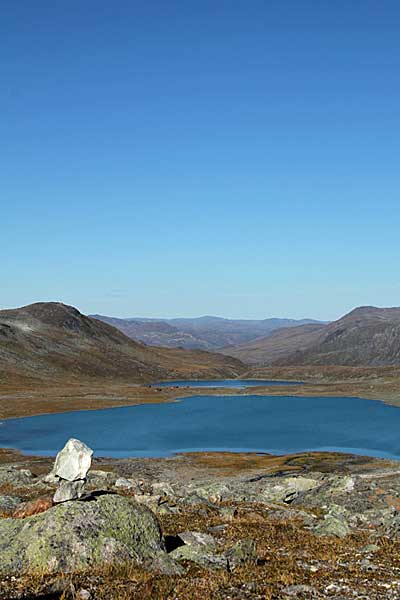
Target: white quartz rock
<point x="73" y="461"/>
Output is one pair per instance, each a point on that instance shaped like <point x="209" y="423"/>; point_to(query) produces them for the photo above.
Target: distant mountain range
<point x="49" y="340"/>
<point x="206" y="333"/>
<point x="367" y="336"/>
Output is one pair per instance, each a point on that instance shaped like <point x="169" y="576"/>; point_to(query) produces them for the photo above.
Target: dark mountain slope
<point x="47" y="340"/>
<point x="367" y="336"/>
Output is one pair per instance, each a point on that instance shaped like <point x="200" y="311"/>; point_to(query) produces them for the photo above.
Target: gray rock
<point x="367" y="565"/>
<point x="73" y="461"/>
<point x="199" y="555"/>
<point x="77" y="535"/>
<point x="195" y="538"/>
<point x="300" y="591"/>
<point x="128" y="484"/>
<point x="69" y="490"/>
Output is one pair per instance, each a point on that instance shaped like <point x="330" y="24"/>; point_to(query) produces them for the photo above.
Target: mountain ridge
<point x="366" y="336"/>
<point x="51" y="339"/>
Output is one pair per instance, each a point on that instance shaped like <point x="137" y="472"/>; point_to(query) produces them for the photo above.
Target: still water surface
<point x="276" y="424"/>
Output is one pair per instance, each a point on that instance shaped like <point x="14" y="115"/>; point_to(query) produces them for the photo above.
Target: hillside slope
<point x="51" y="340"/>
<point x="367" y="336"/>
<point x="206" y="333"/>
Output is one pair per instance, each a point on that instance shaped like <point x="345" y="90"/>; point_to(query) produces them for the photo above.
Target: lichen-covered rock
<point x="76" y="535"/>
<point x="73" y="461"/>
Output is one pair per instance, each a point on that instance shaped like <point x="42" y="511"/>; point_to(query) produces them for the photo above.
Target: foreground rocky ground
<point x="203" y="526"/>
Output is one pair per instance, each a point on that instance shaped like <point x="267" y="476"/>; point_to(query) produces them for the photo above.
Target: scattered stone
<point x="77" y="535"/>
<point x="195" y="538"/>
<point x="125" y="483"/>
<point x="200" y="555"/>
<point x="301" y="591"/>
<point x="69" y="490"/>
<point x="73" y="461"/>
<point x="367" y="565"/>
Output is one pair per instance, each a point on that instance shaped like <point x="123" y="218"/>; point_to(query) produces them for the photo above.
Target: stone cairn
<point x="70" y="470"/>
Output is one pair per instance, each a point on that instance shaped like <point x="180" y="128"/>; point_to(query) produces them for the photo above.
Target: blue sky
<point x="184" y="158"/>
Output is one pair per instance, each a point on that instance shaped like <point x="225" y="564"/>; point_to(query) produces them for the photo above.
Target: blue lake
<point x="276" y="424"/>
<point x="223" y="383"/>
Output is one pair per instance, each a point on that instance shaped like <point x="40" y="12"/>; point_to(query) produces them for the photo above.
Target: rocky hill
<point x="206" y="333"/>
<point x="367" y="336"/>
<point x="48" y="340"/>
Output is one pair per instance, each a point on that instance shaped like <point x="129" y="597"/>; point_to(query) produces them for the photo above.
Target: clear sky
<point x="178" y="158"/>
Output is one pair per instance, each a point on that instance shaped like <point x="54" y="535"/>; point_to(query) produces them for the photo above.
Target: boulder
<point x="77" y="535"/>
<point x="73" y="461"/>
<point x="69" y="490"/>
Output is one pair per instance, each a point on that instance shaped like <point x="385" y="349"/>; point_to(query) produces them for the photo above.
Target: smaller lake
<point x="223" y="383"/>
